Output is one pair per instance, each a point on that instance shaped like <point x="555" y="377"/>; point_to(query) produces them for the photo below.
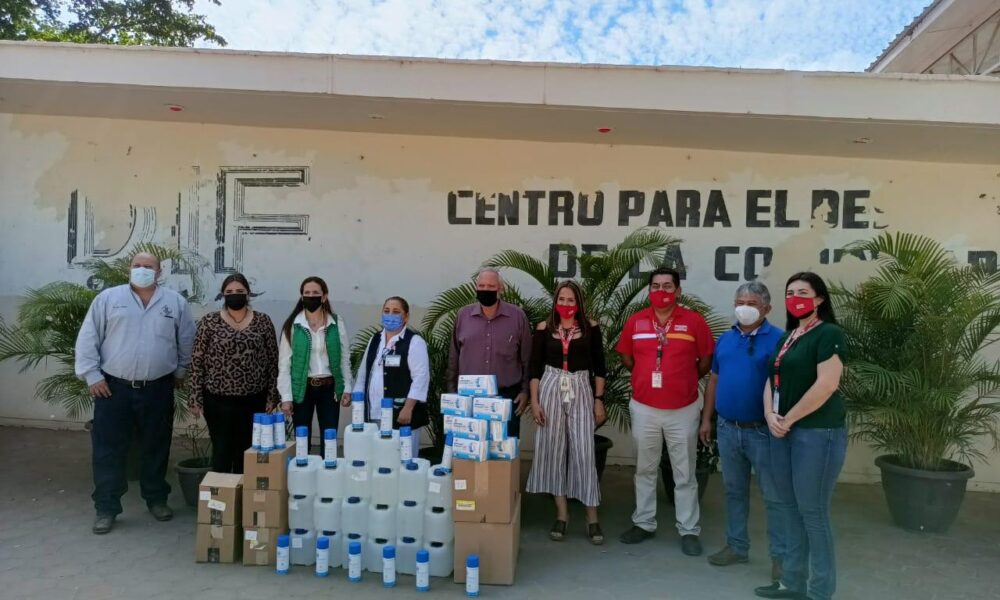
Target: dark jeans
<point x="806" y="464"/>
<point x="150" y="411"/>
<point x="514" y="425"/>
<point x="321" y="400"/>
<point x="230" y="425"/>
<point x="741" y="449"/>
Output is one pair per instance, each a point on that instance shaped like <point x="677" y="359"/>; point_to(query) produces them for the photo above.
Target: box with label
<point x="466" y="428"/>
<point x="485" y="492"/>
<point x="456" y="405"/>
<point x="473" y="450"/>
<point x="496" y="544"/>
<point x="218" y="543"/>
<point x="496" y="430"/>
<point x="267" y="470"/>
<point x="260" y="545"/>
<point x="493" y="409"/>
<point x="503" y="449"/>
<point x="265" y="508"/>
<point x="219" y="498"/>
<point x="478" y="385"/>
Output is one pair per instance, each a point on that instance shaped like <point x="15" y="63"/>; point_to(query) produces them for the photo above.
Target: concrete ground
<point x="47" y="550"/>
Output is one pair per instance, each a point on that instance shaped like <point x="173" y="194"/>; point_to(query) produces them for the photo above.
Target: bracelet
<point x="601" y="397"/>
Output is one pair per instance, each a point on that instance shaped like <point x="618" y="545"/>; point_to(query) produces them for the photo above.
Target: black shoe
<point x="161" y="512"/>
<point x="690" y="545"/>
<point x="775" y="590"/>
<point x="727" y="556"/>
<point x="558" y="531"/>
<point x="636" y="535"/>
<point x="103" y="524"/>
<point x="595" y="534"/>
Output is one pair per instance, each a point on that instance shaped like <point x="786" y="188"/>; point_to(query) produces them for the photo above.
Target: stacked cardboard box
<point x="265" y="503"/>
<point x="219" y="532"/>
<point x="487" y="514"/>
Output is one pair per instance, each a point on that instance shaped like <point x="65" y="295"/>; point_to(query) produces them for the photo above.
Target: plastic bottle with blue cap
<point x="449" y="441"/>
<point x="330" y="448"/>
<point x="322" y="556"/>
<point x="389" y="566"/>
<point x="282" y="560"/>
<point x="472" y="576"/>
<point x="405" y="444"/>
<point x="354" y="562"/>
<point x="278" y="425"/>
<point x="255" y="439"/>
<point x="266" y="433"/>
<point x="385" y="418"/>
<point x="301" y="445"/>
<point x="357" y="411"/>
<point x="423" y="571"/>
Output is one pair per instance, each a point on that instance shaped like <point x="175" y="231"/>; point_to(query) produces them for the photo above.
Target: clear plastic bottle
<point x="336" y="556"/>
<point x="423" y="571"/>
<point x="346" y="542"/>
<point x="326" y="514"/>
<point x="439" y="484"/>
<point x="303" y="551"/>
<point x="385" y="486"/>
<point x="354" y="515"/>
<point x="410" y="519"/>
<point x="301" y="512"/>
<point x="406" y="554"/>
<point x="358" y="482"/>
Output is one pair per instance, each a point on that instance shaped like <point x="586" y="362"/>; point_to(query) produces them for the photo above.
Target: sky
<point x="812" y="35"/>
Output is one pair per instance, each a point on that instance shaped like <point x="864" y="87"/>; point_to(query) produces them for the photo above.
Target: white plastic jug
<point x="385" y="486"/>
<point x="354" y="515"/>
<point x="373" y="553"/>
<point x="346" y="544"/>
<point x="442" y="558"/>
<point x="438" y="526"/>
<point x="382" y="521"/>
<point x="358" y="445"/>
<point x="303" y="543"/>
<point x="358" y="481"/>
<point x="406" y="554"/>
<point x="330" y="482"/>
<point x="413" y="481"/>
<point x="300" y="513"/>
<point x="336" y="547"/>
<point x="302" y="479"/>
<point x="385" y="451"/>
<point x="439" y="487"/>
<point x="326" y="514"/>
<point x="410" y="520"/>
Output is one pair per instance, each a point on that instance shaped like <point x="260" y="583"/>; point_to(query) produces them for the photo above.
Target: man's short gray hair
<point x="755" y="288"/>
<point x="489" y="270"/>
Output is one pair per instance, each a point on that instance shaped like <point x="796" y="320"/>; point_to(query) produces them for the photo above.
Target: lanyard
<point x="661" y="339"/>
<point x="566" y="337"/>
<point x="789" y="342"/>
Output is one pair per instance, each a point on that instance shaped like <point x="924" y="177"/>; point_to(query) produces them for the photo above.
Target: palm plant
<point x="50" y="318"/>
<point x="917" y="385"/>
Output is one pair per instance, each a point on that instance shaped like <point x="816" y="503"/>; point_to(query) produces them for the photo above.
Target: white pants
<point x="650" y="427"/>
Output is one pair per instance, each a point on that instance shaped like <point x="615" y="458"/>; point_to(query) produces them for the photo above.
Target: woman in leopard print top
<point x="234" y="373"/>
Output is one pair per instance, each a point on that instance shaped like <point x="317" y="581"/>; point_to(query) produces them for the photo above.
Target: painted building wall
<point x="378" y="215"/>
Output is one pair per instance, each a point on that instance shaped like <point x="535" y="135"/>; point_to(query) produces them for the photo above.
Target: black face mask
<point x="487" y="297"/>
<point x="312" y="303"/>
<point x="235" y="301"/>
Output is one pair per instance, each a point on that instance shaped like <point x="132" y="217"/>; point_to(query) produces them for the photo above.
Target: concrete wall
<point x="370" y="213"/>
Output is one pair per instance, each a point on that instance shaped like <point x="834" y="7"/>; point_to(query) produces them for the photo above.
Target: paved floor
<point x="47" y="550"/>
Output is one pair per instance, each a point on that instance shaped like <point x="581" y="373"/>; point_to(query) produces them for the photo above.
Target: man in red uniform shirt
<point x="668" y="348"/>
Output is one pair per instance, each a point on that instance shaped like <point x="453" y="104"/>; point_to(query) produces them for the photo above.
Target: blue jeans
<point x="739" y="450"/>
<point x="149" y="411"/>
<point x="805" y="466"/>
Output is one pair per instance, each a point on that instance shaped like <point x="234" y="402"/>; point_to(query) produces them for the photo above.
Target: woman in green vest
<point x="314" y="363"/>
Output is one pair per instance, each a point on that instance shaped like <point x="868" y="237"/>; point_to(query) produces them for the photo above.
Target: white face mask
<point x="142" y="277"/>
<point x="747" y="315"/>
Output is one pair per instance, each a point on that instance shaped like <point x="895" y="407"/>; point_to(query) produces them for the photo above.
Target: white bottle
<point x="279" y="430"/>
<point x="354" y="562"/>
<point x="322" y="556"/>
<point x="405" y="444"/>
<point x="472" y="576"/>
<point x="330" y="448"/>
<point x="301" y="445"/>
<point x="423" y="571"/>
<point x="266" y="433"/>
<point x="255" y="439"/>
<point x="282" y="560"/>
<point x="389" y="566"/>
<point x="357" y="411"/>
<point x="449" y="440"/>
<point x="385" y="418"/>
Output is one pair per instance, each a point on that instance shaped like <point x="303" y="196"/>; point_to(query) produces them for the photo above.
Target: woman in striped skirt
<point x="567" y="401"/>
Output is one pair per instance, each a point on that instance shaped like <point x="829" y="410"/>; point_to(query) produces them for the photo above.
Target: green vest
<point x="302" y="347"/>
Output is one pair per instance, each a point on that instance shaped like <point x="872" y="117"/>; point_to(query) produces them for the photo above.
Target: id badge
<point x="564" y="384"/>
<point x="657" y="380"/>
<point x="775" y="403"/>
<point x="393" y="360"/>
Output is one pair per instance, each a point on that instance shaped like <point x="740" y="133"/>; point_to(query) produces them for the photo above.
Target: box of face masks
<point x="456" y="405"/>
<point x="465" y="449"/>
<point x="478" y="385"/>
<point x="492" y="409"/>
<point x="503" y="449"/>
<point x="496" y="430"/>
<point x="466" y="428"/>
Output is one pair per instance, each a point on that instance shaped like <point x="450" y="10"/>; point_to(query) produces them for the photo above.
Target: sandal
<point x="558" y="531"/>
<point x="595" y="534"/>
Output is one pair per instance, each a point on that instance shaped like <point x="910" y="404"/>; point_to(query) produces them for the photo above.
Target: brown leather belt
<point x="320" y="381"/>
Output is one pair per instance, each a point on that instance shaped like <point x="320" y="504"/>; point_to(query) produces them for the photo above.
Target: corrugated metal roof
<point x="904" y="33"/>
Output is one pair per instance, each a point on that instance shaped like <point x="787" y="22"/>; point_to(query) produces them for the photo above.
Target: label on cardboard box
<point x="204" y="495"/>
<point x="250" y="536"/>
<point x="217" y="505"/>
<point x="460" y="484"/>
<point x="465" y="505"/>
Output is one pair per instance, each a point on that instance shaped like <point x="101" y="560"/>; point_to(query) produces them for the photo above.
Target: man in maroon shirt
<point x="493" y="337"/>
<point x="668" y="348"/>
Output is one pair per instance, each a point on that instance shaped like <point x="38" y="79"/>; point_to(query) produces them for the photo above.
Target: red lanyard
<point x="661" y="338"/>
<point x="566" y="337"/>
<point x="789" y="342"/>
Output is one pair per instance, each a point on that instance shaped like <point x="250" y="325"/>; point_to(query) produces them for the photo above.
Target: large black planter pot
<point x="190" y="472"/>
<point x="667" y="473"/>
<point x="923" y="500"/>
<point x="601" y="447"/>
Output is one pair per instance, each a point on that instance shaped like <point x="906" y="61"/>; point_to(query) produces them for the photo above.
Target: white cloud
<point x="787" y="34"/>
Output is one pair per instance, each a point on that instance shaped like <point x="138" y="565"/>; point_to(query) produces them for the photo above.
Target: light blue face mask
<point x="142" y="277"/>
<point x="392" y="322"/>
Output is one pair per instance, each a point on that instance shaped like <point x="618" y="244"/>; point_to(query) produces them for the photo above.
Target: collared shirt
<point x="499" y="346"/>
<point x="742" y="362"/>
<point x="688" y="340"/>
<point x="130" y="341"/>
<point x="319" y="360"/>
<point x="420" y="371"/>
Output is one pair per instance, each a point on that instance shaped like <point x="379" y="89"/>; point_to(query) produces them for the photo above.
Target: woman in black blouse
<point x="567" y="401"/>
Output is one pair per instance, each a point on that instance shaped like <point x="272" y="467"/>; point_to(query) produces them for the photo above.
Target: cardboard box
<point x="218" y="543"/>
<point x="497" y="546"/>
<point x="469" y="449"/>
<point x="493" y="409"/>
<point x="267" y="470"/>
<point x="260" y="545"/>
<point x="485" y="492"/>
<point x="456" y="405"/>
<point x="219" y="497"/>
<point x="265" y="508"/>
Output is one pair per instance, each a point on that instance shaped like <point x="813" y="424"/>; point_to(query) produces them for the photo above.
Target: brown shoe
<point x="725" y="557"/>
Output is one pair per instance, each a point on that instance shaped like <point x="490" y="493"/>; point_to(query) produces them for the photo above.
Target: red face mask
<point x="800" y="307"/>
<point x="662" y="299"/>
<point x="566" y="311"/>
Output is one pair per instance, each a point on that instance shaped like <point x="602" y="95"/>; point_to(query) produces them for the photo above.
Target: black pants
<point x="230" y="425"/>
<point x="150" y="411"/>
<point x="319" y="399"/>
<point x="514" y="425"/>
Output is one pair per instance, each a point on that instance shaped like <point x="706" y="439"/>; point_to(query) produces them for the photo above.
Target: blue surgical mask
<point x="142" y="277"/>
<point x="392" y="322"/>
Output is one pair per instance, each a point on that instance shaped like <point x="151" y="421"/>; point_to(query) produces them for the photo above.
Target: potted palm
<point x="917" y="385"/>
<point x="191" y="470"/>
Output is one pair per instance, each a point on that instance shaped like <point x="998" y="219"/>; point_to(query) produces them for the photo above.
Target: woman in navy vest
<point x="396" y="365"/>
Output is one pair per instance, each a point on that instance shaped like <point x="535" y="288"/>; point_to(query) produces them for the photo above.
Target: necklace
<point x="245" y="315"/>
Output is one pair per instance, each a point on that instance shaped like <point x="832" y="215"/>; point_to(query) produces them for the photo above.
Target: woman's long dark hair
<point x="581" y="314"/>
<point x="824" y="311"/>
<point x="286" y="330"/>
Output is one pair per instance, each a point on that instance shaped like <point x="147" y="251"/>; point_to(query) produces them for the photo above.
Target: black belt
<point x="746" y="424"/>
<point x="321" y="381"/>
<point x="135" y="383"/>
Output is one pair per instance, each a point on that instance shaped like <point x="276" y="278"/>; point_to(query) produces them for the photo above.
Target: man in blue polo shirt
<point x="735" y="391"/>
